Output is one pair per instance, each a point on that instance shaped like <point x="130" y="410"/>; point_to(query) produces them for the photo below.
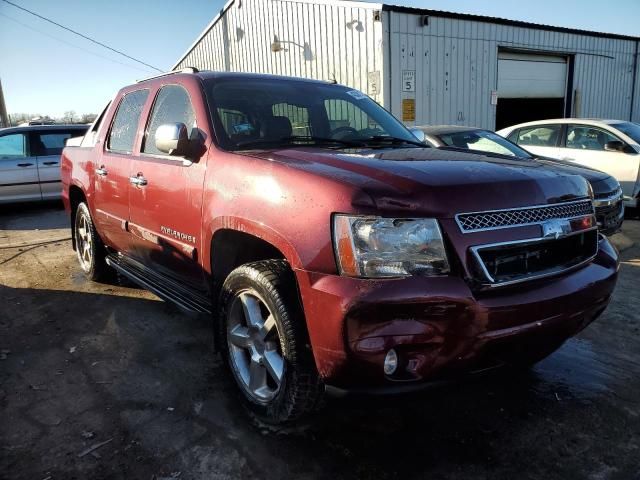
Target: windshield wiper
<point x="300" y="139"/>
<point x="380" y="139"/>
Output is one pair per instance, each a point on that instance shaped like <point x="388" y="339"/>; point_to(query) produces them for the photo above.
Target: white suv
<point x="612" y="146"/>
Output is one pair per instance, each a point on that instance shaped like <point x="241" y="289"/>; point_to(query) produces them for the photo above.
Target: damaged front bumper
<point x="440" y="327"/>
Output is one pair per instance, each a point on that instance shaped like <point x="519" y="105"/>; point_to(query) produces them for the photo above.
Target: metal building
<point x="426" y="66"/>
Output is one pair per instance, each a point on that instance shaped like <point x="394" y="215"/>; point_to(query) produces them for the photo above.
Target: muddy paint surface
<point x="106" y="381"/>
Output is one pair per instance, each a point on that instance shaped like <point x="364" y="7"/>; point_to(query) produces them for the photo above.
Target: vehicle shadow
<point x="143" y="374"/>
<point x="32" y="216"/>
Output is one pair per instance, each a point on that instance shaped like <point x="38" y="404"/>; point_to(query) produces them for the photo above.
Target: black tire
<point x="300" y="390"/>
<point x="92" y="258"/>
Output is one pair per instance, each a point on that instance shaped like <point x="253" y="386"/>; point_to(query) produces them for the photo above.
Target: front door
<point x="112" y="171"/>
<point x="584" y="144"/>
<point x="18" y="171"/>
<point x="166" y="203"/>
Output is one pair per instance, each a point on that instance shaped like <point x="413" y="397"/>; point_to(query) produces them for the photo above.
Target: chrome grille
<point x="471" y="222"/>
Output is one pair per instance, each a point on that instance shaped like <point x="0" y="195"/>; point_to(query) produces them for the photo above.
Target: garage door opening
<point x="512" y="111"/>
<point x="530" y="87"/>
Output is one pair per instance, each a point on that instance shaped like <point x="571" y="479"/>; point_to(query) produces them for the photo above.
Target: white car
<point x="612" y="146"/>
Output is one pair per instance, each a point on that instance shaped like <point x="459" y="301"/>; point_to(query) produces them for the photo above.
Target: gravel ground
<point x="104" y="381"/>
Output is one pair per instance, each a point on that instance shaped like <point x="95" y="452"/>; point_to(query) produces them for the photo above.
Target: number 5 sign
<point x="408" y="80"/>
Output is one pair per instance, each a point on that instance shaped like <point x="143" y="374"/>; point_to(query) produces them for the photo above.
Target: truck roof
<point x="211" y="74"/>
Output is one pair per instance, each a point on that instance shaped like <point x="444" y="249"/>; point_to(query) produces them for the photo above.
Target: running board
<point x="164" y="288"/>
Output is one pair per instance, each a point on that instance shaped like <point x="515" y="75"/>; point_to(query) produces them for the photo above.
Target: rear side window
<point x="13" y="146"/>
<point x="51" y="143"/>
<point x="539" y="136"/>
<point x="125" y="123"/>
<point x="172" y="105"/>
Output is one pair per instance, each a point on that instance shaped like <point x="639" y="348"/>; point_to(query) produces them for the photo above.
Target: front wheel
<point x="265" y="343"/>
<point x="89" y="247"/>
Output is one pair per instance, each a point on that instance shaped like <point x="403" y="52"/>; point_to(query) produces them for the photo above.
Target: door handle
<point x="25" y="164"/>
<point x="49" y="163"/>
<point x="138" y="180"/>
<point x="101" y="171"/>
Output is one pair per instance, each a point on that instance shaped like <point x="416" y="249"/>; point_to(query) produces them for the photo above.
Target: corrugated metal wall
<point x="455" y="60"/>
<point x="319" y="40"/>
<point x="456" y="68"/>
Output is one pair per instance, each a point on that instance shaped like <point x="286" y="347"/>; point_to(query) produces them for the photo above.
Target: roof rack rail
<point x="173" y="72"/>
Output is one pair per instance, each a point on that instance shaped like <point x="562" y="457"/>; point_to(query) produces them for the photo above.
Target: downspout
<point x="633" y="82"/>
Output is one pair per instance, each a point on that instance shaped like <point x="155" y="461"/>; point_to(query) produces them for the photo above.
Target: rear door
<point x="111" y="195"/>
<point x="18" y="171"/>
<point x="542" y="140"/>
<point x="46" y="147"/>
<point x="166" y="210"/>
<point x="584" y="144"/>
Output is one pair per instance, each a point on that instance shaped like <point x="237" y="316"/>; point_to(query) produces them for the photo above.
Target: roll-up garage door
<point x="530" y="87"/>
<point x="523" y="75"/>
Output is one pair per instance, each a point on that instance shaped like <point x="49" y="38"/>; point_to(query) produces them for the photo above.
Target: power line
<point x="81" y="35"/>
<point x="143" y="69"/>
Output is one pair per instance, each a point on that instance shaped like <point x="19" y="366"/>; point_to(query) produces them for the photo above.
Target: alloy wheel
<point x="254" y="347"/>
<point x="84" y="242"/>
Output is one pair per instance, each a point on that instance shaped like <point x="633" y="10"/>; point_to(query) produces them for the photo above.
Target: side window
<point x="582" y="137"/>
<point x="513" y="136"/>
<point x="348" y="116"/>
<point x="13" y="146"/>
<point x="298" y="117"/>
<point x="172" y="105"/>
<point x="43" y="143"/>
<point x="539" y="136"/>
<point x="125" y="123"/>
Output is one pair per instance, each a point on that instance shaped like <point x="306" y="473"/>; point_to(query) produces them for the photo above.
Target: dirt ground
<point x="87" y="365"/>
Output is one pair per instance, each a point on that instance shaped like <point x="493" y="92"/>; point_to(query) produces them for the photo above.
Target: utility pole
<point x="4" y="118"/>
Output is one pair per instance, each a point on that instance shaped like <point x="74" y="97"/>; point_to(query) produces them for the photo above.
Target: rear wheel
<point x="89" y="247"/>
<point x="265" y="343"/>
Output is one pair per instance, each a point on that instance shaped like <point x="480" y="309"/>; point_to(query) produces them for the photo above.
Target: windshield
<point x="630" y="129"/>
<point x="268" y="113"/>
<point x="483" y="141"/>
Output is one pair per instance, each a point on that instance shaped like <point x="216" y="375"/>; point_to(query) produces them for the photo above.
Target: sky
<point x="49" y="71"/>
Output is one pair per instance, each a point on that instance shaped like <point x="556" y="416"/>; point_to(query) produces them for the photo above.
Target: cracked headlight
<point x="376" y="247"/>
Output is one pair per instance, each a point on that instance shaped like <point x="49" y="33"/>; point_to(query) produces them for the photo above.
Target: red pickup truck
<point x="334" y="251"/>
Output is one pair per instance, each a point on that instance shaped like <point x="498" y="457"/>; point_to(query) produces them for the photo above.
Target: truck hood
<point x="429" y="181"/>
<point x="601" y="182"/>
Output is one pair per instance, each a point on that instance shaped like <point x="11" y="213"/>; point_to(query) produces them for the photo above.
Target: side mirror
<point x="419" y="134"/>
<point x="615" y="146"/>
<point x="172" y="138"/>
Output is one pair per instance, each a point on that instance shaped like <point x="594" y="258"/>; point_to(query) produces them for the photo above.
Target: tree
<point x="69" y="116"/>
<point x="87" y="117"/>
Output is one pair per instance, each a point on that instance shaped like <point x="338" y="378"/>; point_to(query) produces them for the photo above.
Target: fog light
<point x="390" y="362"/>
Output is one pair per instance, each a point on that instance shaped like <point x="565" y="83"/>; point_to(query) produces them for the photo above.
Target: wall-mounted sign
<point x="408" y="110"/>
<point x="408" y="80"/>
<point x="494" y="97"/>
<point x="374" y="82"/>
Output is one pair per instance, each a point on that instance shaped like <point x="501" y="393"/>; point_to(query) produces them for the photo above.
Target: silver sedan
<point x="30" y="161"/>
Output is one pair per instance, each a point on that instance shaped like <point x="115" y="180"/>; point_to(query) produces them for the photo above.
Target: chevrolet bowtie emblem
<point x="556" y="228"/>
